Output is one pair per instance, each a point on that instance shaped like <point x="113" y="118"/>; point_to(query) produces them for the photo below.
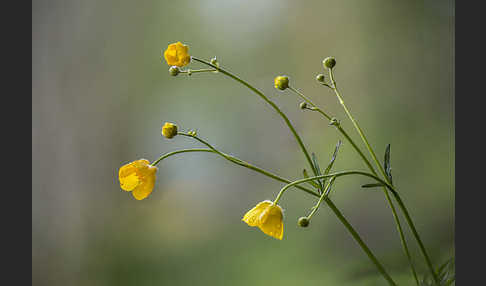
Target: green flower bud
<point x="329" y="62"/>
<point x="174" y="70"/>
<point x="281" y="82"/>
<point x="303" y="221"/>
<point x="320" y="77"/>
<point x="303" y="105"/>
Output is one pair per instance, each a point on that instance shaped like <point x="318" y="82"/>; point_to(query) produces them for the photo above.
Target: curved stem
<point x="243" y="163"/>
<point x="310" y="102"/>
<point x="272" y="104"/>
<point x="336" y="174"/>
<point x="382" y="171"/>
<point x="166" y="155"/>
<point x="325" y="194"/>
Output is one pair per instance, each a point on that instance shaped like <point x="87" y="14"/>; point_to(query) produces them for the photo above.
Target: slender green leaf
<point x="318" y="171"/>
<point x="333" y="158"/>
<point x="386" y="164"/>
<point x="312" y="183"/>
<point x="373" y="185"/>
<point x="446" y="272"/>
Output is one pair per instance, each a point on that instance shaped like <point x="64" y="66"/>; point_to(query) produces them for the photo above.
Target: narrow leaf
<point x="318" y="171"/>
<point x="333" y="158"/>
<point x="372" y="185"/>
<point x="312" y="183"/>
<point x="386" y="164"/>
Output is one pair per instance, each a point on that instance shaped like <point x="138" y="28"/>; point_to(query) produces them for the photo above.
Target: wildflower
<point x="138" y="177"/>
<point x="177" y="54"/>
<point x="169" y="130"/>
<point x="281" y="82"/>
<point x="268" y="217"/>
<point x="329" y="62"/>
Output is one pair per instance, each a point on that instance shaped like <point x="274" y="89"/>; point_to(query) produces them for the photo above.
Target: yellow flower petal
<point x="146" y="187"/>
<point x="252" y="216"/>
<point x="271" y="221"/>
<point x="128" y="177"/>
<point x="177" y="54"/>
<point x="268" y="217"/>
<point x="139" y="177"/>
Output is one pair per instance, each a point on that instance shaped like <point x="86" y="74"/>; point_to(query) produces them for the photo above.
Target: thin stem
<point x="272" y="104"/>
<point x="324" y="195"/>
<point x="196" y="71"/>
<point x="356" y="126"/>
<point x="336" y="174"/>
<point x="310" y="102"/>
<point x="360" y="241"/>
<point x="243" y="163"/>
<point x="373" y="155"/>
<point x="178" y="152"/>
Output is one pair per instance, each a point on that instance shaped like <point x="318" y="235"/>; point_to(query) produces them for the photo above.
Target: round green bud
<point x="303" y="221"/>
<point x="303" y="105"/>
<point x="329" y="62"/>
<point x="281" y="82"/>
<point x="320" y="77"/>
<point x="174" y="70"/>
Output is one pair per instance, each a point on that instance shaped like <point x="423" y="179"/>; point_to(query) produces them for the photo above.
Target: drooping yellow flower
<point x="138" y="177"/>
<point x="268" y="217"/>
<point x="169" y="130"/>
<point x="177" y="54"/>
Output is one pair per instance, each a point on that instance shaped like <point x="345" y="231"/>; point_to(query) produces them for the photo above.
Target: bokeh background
<point x="100" y="95"/>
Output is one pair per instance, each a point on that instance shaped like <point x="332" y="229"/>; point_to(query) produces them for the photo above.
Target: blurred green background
<point x="100" y="95"/>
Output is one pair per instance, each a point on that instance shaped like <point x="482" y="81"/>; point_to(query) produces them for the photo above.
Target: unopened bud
<point x="303" y="222"/>
<point x="282" y="82"/>
<point x="320" y="77"/>
<point x="329" y="62"/>
<point x="303" y="105"/>
<point x="169" y="130"/>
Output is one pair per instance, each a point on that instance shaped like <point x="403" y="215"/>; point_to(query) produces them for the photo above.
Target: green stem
<point x="196" y="71"/>
<point x="324" y="195"/>
<point x="243" y="163"/>
<point x="271" y="103"/>
<point x="360" y="241"/>
<point x="382" y="171"/>
<point x="336" y="174"/>
<point x="178" y="152"/>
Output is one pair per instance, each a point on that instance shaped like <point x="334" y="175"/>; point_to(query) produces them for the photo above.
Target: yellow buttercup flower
<point x="268" y="217"/>
<point x="177" y="54"/>
<point x="138" y="177"/>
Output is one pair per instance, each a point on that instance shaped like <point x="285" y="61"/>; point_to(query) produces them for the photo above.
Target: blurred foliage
<point x="100" y="95"/>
